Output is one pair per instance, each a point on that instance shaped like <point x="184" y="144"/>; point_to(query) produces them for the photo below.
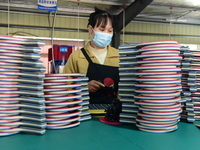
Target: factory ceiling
<point x="160" y="11"/>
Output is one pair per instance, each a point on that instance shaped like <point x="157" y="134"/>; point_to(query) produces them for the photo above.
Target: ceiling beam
<point x="34" y="7"/>
<point x="175" y="7"/>
<point x="96" y="2"/>
<point x="130" y="13"/>
<point x="19" y="5"/>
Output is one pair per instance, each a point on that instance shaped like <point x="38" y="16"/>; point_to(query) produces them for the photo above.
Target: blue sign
<point x="49" y="5"/>
<point x="63" y="49"/>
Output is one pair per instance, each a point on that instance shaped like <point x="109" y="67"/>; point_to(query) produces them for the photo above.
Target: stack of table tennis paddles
<point x="22" y="107"/>
<point x="66" y="98"/>
<point x="127" y="83"/>
<point x="31" y="101"/>
<point x="157" y="85"/>
<point x="191" y="83"/>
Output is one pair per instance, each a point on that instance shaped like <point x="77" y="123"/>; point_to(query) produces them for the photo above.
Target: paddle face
<point x="108" y="82"/>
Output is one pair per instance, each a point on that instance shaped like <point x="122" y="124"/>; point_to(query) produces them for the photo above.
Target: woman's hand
<point x="94" y="85"/>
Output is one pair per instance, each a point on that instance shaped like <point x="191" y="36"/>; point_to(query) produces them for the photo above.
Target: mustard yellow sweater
<point x="77" y="63"/>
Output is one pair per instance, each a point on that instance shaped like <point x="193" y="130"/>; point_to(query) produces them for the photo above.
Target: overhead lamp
<point x="176" y="20"/>
<point x="48" y="38"/>
<point x="195" y="2"/>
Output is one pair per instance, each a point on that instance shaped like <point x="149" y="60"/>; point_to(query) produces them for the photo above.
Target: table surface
<point x="94" y="135"/>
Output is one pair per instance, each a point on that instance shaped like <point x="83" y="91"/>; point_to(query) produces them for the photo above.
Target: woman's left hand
<point x="94" y="85"/>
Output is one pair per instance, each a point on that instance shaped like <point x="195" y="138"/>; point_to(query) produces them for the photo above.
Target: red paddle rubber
<point x="103" y="120"/>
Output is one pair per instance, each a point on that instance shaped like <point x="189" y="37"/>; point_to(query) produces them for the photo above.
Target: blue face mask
<point x="102" y="39"/>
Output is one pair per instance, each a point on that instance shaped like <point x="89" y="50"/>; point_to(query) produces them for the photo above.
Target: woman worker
<point x="98" y="60"/>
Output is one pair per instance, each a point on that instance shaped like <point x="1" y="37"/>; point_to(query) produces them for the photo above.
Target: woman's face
<point x="106" y="29"/>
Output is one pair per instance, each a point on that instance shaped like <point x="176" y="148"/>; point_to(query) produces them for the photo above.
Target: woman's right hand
<point x="94" y="85"/>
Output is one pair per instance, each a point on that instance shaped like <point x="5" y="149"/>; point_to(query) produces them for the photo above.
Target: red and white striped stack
<point x="63" y="100"/>
<point x="16" y="113"/>
<point x="158" y="86"/>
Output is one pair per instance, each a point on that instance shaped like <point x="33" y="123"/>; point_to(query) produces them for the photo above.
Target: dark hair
<point x="100" y="17"/>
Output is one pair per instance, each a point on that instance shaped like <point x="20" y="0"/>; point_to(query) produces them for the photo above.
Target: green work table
<point x="94" y="135"/>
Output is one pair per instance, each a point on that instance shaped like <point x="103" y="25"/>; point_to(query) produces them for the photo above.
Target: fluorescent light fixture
<point x="48" y="38"/>
<point x="176" y="20"/>
<point x="195" y="2"/>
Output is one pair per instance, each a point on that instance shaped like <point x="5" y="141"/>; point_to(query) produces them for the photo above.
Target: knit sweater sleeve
<point x="70" y="66"/>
